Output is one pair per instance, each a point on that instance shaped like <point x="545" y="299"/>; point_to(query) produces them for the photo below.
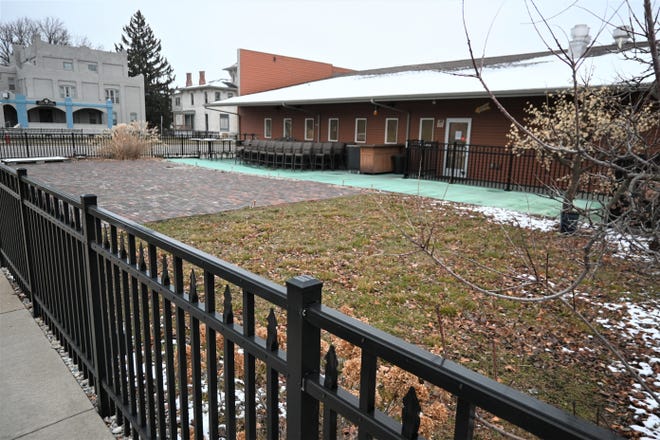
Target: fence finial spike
<point x="331" y="365"/>
<point x="410" y="415"/>
<point x="228" y="312"/>
<point x="193" y="287"/>
<point x="165" y="279"/>
<point x="271" y="338"/>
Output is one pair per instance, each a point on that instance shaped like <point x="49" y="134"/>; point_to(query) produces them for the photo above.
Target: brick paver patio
<point x="150" y="190"/>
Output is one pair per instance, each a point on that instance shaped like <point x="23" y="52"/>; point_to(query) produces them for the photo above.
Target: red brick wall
<point x="260" y="71"/>
<point x="489" y="127"/>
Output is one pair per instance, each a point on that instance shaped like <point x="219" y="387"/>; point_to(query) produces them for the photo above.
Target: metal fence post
<point x="27" y="144"/>
<point x="73" y="143"/>
<point x="303" y="357"/>
<point x="21" y="174"/>
<point x="510" y="173"/>
<point x="95" y="306"/>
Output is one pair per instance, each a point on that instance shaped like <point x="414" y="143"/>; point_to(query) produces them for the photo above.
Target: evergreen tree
<point x="144" y="57"/>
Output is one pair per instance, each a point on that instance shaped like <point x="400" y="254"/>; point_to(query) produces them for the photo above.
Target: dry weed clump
<point x="127" y="141"/>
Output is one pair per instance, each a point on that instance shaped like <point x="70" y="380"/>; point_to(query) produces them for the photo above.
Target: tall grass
<point x="127" y="141"/>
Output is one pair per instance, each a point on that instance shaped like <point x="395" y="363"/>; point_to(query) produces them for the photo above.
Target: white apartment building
<point x="189" y="106"/>
<point x="54" y="86"/>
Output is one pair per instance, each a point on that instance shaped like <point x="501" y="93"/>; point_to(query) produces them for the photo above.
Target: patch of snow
<point x="640" y="322"/>
<point x="508" y="217"/>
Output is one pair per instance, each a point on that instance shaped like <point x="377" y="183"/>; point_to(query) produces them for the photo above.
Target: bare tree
<point x="53" y="31"/>
<point x="23" y="30"/>
<point x="615" y="131"/>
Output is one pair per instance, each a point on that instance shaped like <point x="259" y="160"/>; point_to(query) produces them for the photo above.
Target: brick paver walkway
<point x="149" y="190"/>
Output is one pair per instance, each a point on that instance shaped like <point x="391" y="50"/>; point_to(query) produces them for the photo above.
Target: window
<point x="177" y="101"/>
<point x="188" y="121"/>
<point x="268" y="128"/>
<point x="333" y="129"/>
<point x="360" y="130"/>
<point x="114" y="118"/>
<point x="206" y="98"/>
<point x="67" y="91"/>
<point x="391" y="130"/>
<point x="67" y="65"/>
<point x="192" y="99"/>
<point x="91" y="67"/>
<point x="287" y="130"/>
<point x="112" y="95"/>
<point x="11" y="83"/>
<point x="230" y="95"/>
<point x="224" y="122"/>
<point x="309" y="129"/>
<point x="218" y="96"/>
<point x="426" y="131"/>
<point x="206" y="121"/>
<point x="133" y="117"/>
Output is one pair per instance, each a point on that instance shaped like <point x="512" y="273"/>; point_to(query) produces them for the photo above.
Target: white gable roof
<point x="520" y="78"/>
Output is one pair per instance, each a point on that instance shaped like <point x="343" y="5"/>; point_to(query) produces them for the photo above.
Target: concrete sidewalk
<point x="39" y="397"/>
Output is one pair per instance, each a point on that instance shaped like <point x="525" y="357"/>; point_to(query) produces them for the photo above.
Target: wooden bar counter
<point x="375" y="159"/>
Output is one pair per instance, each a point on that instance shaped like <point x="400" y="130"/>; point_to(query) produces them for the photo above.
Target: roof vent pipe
<point x="580" y="40"/>
<point x="621" y="35"/>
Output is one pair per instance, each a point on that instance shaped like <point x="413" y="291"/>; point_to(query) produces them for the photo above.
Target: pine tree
<point x="143" y="50"/>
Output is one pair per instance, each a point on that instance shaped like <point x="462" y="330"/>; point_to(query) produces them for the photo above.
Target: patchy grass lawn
<point x="356" y="246"/>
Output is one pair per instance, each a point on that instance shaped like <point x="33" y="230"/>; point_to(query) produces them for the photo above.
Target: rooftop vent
<point x="580" y="40"/>
<point x="621" y="35"/>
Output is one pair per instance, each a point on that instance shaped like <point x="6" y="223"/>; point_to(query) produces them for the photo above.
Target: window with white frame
<point x="67" y="91"/>
<point x="192" y="99"/>
<point x="391" y="130"/>
<point x="360" y="130"/>
<point x="206" y="98"/>
<point x="112" y="95"/>
<point x="132" y="116"/>
<point x="230" y="95"/>
<point x="224" y="122"/>
<point x="11" y="83"/>
<point x="67" y="65"/>
<point x="309" y="129"/>
<point x="287" y="129"/>
<point x="177" y="101"/>
<point x="268" y="128"/>
<point x="333" y="129"/>
<point x="114" y="118"/>
<point x="218" y="96"/>
<point x="92" y="67"/>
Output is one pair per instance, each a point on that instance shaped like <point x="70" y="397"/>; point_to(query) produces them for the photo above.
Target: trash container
<point x="568" y="222"/>
<point x="353" y="158"/>
<point x="399" y="163"/>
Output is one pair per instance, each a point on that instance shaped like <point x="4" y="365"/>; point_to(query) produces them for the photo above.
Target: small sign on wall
<point x="440" y="123"/>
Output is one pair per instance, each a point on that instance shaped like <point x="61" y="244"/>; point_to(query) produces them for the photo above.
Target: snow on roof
<point x="519" y="78"/>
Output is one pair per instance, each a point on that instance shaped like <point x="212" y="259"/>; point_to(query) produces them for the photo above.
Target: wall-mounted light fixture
<point x="375" y="111"/>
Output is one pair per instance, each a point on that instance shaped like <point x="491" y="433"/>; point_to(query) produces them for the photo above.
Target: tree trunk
<point x="573" y="184"/>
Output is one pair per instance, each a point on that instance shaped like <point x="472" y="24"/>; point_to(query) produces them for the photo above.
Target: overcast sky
<point x="358" y="34"/>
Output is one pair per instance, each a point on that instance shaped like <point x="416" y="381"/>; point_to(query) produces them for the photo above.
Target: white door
<point x="457" y="141"/>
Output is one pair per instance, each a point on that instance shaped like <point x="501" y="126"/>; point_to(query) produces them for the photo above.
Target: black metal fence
<point x="19" y="143"/>
<point x="173" y="342"/>
<point x="490" y="166"/>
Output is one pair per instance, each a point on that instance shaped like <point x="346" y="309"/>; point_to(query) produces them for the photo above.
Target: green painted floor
<point x="475" y="195"/>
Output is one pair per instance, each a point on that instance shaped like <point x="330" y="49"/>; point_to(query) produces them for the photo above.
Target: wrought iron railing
<point x="180" y="344"/>
<point x="491" y="166"/>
